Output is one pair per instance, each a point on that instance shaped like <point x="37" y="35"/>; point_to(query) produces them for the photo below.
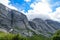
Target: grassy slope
<point x="9" y="36"/>
<point x="38" y="37"/>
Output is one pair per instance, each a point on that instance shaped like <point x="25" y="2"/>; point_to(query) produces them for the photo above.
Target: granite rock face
<point x="13" y="21"/>
<point x="45" y="27"/>
<point x="54" y="24"/>
<point x="4" y="18"/>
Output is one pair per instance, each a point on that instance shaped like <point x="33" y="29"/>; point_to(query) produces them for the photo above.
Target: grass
<point x="9" y="36"/>
<point x="38" y="37"/>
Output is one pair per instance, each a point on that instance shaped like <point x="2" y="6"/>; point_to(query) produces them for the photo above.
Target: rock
<point x="54" y="24"/>
<point x="12" y="19"/>
<point x="42" y="26"/>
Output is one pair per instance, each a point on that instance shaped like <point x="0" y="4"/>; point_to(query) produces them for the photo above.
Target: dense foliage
<point x="9" y="36"/>
<point x="38" y="37"/>
<point x="56" y="36"/>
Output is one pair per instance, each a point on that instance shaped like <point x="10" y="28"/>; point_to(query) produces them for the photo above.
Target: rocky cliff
<point x="45" y="27"/>
<point x="13" y="21"/>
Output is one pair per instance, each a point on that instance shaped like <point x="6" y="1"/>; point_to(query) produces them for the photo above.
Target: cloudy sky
<point x="45" y="9"/>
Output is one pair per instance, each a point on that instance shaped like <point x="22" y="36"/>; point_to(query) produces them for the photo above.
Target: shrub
<point x="56" y="36"/>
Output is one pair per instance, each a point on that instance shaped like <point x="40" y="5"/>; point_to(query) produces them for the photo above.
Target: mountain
<point x="12" y="21"/>
<point x="42" y="27"/>
<point x="54" y="24"/>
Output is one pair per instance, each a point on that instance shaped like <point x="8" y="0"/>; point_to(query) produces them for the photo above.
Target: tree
<point x="56" y="36"/>
<point x="16" y="37"/>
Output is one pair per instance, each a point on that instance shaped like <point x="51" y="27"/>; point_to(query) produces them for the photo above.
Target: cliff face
<point x="13" y="21"/>
<point x="46" y="28"/>
<point x="4" y="18"/>
<point x="16" y="22"/>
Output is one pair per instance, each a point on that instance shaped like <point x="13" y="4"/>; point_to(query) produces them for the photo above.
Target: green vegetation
<point x="56" y="36"/>
<point x="38" y="37"/>
<point x="9" y="36"/>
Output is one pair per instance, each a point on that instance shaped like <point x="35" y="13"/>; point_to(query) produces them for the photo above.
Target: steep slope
<point x="54" y="24"/>
<point x="13" y="21"/>
<point x="42" y="26"/>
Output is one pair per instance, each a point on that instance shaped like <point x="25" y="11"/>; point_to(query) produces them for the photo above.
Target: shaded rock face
<point x="4" y="18"/>
<point x="13" y="21"/>
<point x="44" y="27"/>
<point x="54" y="24"/>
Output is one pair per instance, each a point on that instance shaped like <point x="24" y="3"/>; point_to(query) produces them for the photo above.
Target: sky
<point x="44" y="9"/>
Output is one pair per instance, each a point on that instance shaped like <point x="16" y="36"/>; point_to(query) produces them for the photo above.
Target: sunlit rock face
<point x="16" y="22"/>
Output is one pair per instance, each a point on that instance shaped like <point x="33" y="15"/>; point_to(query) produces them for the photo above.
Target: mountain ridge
<point x="16" y="22"/>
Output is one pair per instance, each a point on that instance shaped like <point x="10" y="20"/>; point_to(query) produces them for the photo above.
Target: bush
<point x="18" y="37"/>
<point x="9" y="36"/>
<point x="38" y="37"/>
<point x="56" y="36"/>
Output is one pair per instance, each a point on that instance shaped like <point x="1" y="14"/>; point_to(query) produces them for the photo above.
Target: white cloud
<point x="41" y="7"/>
<point x="6" y="3"/>
<point x="56" y="15"/>
<point x="44" y="0"/>
<point x="40" y="10"/>
<point x="27" y="0"/>
<point x="43" y="10"/>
